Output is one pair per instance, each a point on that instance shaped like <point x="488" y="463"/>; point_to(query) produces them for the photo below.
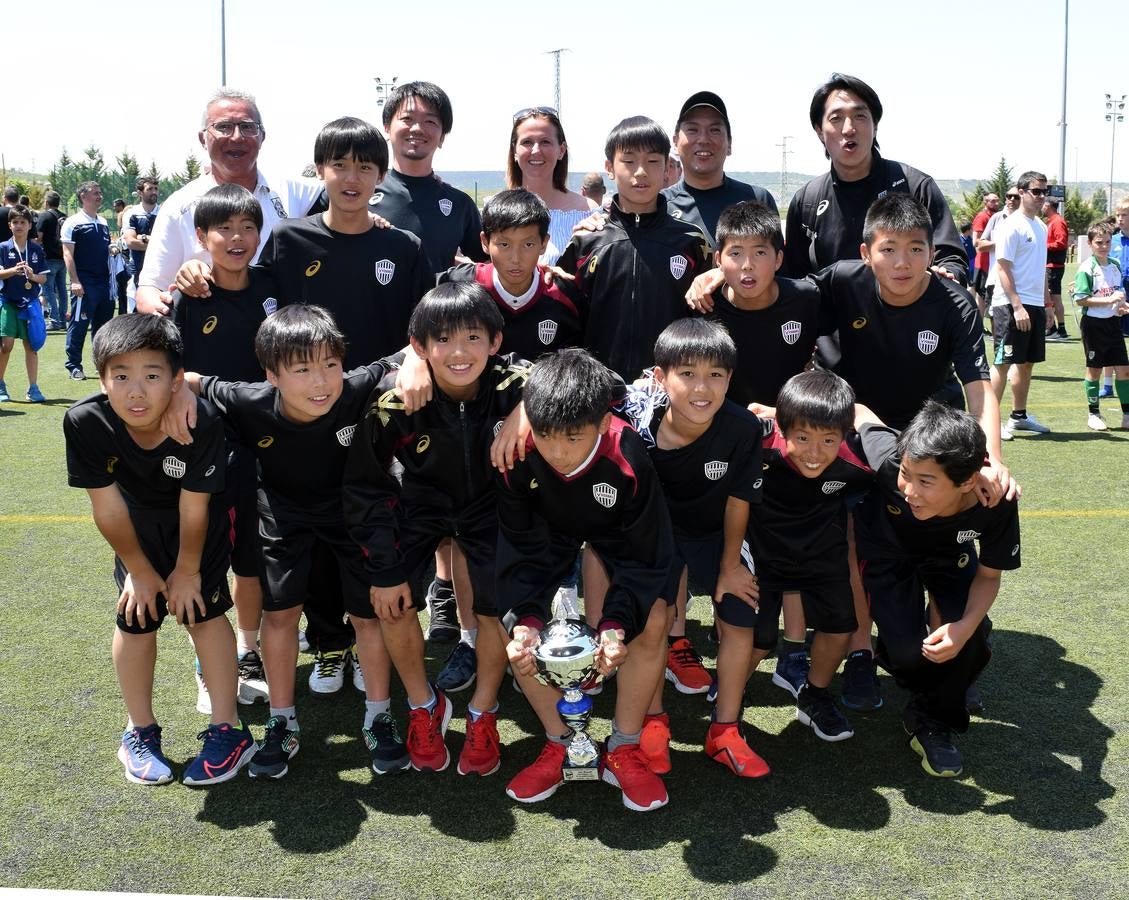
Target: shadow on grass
<point x="1038" y="747"/>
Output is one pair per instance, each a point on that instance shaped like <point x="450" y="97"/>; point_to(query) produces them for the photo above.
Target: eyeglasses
<point x="227" y="129"/>
<point x="1037" y="192"/>
<point x="536" y="111"/>
<point x="1012" y="196"/>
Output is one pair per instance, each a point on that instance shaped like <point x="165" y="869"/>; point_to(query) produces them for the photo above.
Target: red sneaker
<point x="482" y="752"/>
<point x="425" y="735"/>
<point x="725" y="745"/>
<point x="626" y="768"/>
<point x="655" y="742"/>
<point x="541" y="778"/>
<point x="684" y="668"/>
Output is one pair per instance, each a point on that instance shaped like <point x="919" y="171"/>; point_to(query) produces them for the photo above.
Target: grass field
<point x="1040" y="811"/>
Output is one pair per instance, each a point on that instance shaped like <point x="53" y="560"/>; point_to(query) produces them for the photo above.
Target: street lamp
<point x="1114" y="113"/>
<point x="384" y="87"/>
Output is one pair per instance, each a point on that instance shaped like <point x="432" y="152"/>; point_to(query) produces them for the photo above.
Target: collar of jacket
<point x="638" y="220"/>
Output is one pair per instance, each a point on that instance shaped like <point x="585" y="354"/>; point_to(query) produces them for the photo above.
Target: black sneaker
<point x="459" y="671"/>
<point x="861" y="691"/>
<point x="385" y="746"/>
<point x="939" y="756"/>
<point x="815" y="707"/>
<point x="443" y="625"/>
<point x="278" y="747"/>
<point x="973" y="701"/>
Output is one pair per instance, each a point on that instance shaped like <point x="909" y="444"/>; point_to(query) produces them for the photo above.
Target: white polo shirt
<point x="173" y="241"/>
<point x="1023" y="243"/>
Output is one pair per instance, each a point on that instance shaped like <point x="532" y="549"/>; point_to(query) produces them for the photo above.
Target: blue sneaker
<point x="140" y="753"/>
<point x="226" y="750"/>
<point x="792" y="671"/>
<point x="4" y="398"/>
<point x="35" y="395"/>
<point x="1106" y="392"/>
<point x="459" y="671"/>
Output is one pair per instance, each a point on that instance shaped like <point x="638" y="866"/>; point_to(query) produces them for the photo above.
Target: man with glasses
<point x="232" y="133"/>
<point x="86" y="250"/>
<point x="1019" y="315"/>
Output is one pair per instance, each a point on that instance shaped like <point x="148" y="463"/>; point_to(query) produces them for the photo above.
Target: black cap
<point x="705" y="98"/>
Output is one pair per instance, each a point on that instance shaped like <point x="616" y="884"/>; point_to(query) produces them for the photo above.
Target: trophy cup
<point x="566" y="659"/>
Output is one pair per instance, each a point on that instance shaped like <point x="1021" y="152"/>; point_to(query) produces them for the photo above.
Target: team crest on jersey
<point x="385" y="269"/>
<point x="345" y="435"/>
<point x="822" y="208"/>
<point x="830" y="487"/>
<point x="265" y="442"/>
<point x="715" y="469"/>
<point x="605" y="494"/>
<point x="546" y="331"/>
<point x="423" y="443"/>
<point x="210" y="324"/>
<point x="927" y="341"/>
<point x="445" y="206"/>
<point x="678" y="264"/>
<point x="173" y="467"/>
<point x="790" y="331"/>
<point x="110" y="463"/>
<point x="965" y="536"/>
<point x="1090" y="354"/>
<point x="1008" y="351"/>
<point x="376" y="198"/>
<point x="498" y="427"/>
<point x="859" y="323"/>
<point x="278" y="207"/>
<point x="270" y="306"/>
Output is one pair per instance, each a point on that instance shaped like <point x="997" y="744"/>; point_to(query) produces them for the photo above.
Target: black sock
<point x="1019" y="413"/>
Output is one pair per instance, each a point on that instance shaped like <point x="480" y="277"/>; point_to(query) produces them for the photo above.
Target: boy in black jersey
<point x="539" y="315"/>
<point x="446" y="491"/>
<point x="632" y="276"/>
<point x="586" y="477"/>
<point x="154" y="502"/>
<point x="219" y="339"/>
<point x="798" y="537"/>
<point x="299" y="424"/>
<point x="917" y="533"/>
<point x="707" y="452"/>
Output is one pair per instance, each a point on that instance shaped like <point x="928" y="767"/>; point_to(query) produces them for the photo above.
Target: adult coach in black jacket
<point x="824" y="223"/>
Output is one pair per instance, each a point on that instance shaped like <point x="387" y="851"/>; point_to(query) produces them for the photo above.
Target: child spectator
<point x="23" y="268"/>
<point x="1099" y="291"/>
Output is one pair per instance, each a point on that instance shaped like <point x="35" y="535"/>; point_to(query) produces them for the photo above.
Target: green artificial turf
<point x="1039" y="811"/>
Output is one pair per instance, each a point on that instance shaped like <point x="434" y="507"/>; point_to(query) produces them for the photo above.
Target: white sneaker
<point x="1005" y="433"/>
<point x="303" y="644"/>
<point x="358" y="672"/>
<point x="1027" y="423"/>
<point x="203" y="698"/>
<point x="1096" y="422"/>
<point x="328" y="676"/>
<point x="566" y="603"/>
<point x="252" y="679"/>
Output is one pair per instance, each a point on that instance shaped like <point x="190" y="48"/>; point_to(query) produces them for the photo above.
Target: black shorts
<point x="288" y="552"/>
<point x="1014" y="346"/>
<point x="645" y="586"/>
<point x="1103" y="343"/>
<point x="980" y="281"/>
<point x="701" y="556"/>
<point x="828" y="607"/>
<point x="1054" y="281"/>
<point x="158" y="533"/>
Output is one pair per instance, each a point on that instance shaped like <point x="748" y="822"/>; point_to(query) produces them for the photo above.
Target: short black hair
<point x="1028" y="178"/>
<point x="52" y="199"/>
<point x="224" y="202"/>
<point x="950" y="437"/>
<point x="637" y="134"/>
<point x="454" y="306"/>
<point x="749" y="219"/>
<point x="818" y="399"/>
<point x="295" y="332"/>
<point x="351" y="137"/>
<point x="19" y="211"/>
<point x="840" y="82"/>
<point x="568" y="390"/>
<point x="11" y="194"/>
<point x="143" y="180"/>
<point x="899" y="214"/>
<point x="134" y="332"/>
<point x="515" y="209"/>
<point x="965" y="226"/>
<point x="691" y="341"/>
<point x="431" y="94"/>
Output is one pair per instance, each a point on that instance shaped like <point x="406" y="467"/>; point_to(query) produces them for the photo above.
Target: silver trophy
<point x="566" y="659"/>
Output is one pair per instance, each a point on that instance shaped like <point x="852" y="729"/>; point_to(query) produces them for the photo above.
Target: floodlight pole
<point x="1062" y="122"/>
<point x="557" y="74"/>
<point x="784" y="151"/>
<point x="1114" y="113"/>
<point x="384" y="87"/>
<point x="223" y="43"/>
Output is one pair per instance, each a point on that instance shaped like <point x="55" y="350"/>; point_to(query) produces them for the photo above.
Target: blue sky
<point x="961" y="83"/>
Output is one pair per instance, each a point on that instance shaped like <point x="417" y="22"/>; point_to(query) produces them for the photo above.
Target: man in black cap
<point x="703" y="140"/>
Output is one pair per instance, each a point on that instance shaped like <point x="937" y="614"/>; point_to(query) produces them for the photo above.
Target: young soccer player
<point x="798" y="539"/>
<point x="632" y="276"/>
<point x="446" y="490"/>
<point x="586" y="477"/>
<point x="219" y="340"/>
<point x="23" y="267"/>
<point x="707" y="453"/>
<point x="1099" y="292"/>
<point x="299" y="424"/>
<point x="918" y="533"/>
<point x="153" y="500"/>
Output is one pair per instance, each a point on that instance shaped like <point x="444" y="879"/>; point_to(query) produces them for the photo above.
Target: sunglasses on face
<point x="1037" y="192"/>
<point x="1012" y="196"/>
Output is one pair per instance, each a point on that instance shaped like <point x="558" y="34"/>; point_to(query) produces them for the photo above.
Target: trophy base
<point x="581" y="773"/>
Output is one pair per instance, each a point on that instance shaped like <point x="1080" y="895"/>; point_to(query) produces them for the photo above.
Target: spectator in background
<point x="982" y="264"/>
<point x="11" y="198"/>
<point x="1058" y="239"/>
<point x="139" y="222"/>
<point x="86" y="249"/>
<point x="593" y="188"/>
<point x="673" y="171"/>
<point x="50" y="227"/>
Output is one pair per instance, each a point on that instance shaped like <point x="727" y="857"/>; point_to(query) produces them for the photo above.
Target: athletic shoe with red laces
<point x="725" y="745"/>
<point x="626" y="768"/>
<point x="655" y="742"/>
<point x="482" y="752"/>
<point x="684" y="668"/>
<point x="541" y="778"/>
<point x="425" y="735"/>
